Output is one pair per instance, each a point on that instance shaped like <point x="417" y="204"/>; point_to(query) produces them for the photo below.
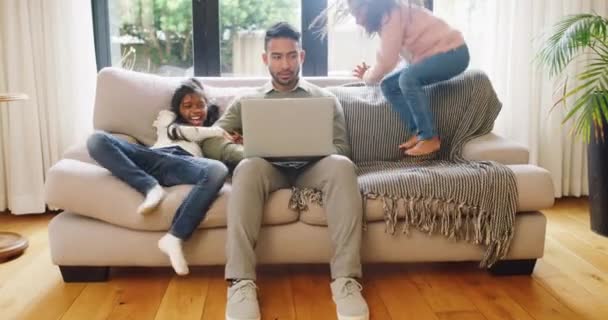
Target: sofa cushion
<point x="534" y="188"/>
<point x="127" y="102"/>
<point x="491" y="147"/>
<point x="92" y="191"/>
<point x="79" y="151"/>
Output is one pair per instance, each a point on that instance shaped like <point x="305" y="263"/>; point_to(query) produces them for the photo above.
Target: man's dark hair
<point x="281" y="30"/>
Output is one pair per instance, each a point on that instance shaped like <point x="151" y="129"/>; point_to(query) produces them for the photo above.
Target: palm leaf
<point x="584" y="117"/>
<point x="592" y="75"/>
<point x="603" y="103"/>
<point x="602" y="46"/>
<point x="571" y="36"/>
<point x="574" y="38"/>
<point x="579" y="106"/>
<point x="589" y="108"/>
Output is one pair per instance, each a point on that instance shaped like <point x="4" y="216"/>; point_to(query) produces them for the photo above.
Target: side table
<point x="11" y="244"/>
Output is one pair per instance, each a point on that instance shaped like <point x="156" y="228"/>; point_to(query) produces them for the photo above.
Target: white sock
<point x="172" y="246"/>
<point x="152" y="200"/>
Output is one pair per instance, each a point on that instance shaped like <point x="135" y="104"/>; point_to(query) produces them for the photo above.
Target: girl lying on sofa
<point x="174" y="159"/>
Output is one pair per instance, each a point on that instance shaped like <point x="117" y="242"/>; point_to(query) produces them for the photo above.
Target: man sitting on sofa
<point x="255" y="178"/>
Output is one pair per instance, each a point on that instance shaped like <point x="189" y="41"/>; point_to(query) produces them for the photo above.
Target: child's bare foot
<point x="409" y="143"/>
<point x="424" y="147"/>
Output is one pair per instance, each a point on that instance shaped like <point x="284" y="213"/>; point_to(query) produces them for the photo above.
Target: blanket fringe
<point x="302" y="197"/>
<point x="456" y="221"/>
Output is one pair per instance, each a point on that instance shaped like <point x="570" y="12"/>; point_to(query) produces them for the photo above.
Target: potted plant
<point x="584" y="38"/>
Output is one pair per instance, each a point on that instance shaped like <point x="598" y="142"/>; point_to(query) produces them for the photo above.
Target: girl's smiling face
<point x="193" y="109"/>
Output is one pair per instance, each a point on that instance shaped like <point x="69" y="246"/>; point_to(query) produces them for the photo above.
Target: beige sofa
<point x="99" y="228"/>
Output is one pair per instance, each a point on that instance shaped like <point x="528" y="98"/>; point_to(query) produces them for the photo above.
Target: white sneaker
<point x="242" y="301"/>
<point x="350" y="304"/>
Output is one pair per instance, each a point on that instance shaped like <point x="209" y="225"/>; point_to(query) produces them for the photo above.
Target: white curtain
<point x="504" y="37"/>
<point x="47" y="52"/>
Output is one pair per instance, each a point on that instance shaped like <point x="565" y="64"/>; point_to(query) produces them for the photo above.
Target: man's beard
<point x="289" y="82"/>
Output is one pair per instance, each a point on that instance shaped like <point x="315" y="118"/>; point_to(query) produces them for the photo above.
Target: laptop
<point x="289" y="129"/>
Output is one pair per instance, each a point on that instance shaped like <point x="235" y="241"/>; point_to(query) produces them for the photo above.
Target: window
<point x="151" y="36"/>
<point x="474" y="18"/>
<point x="218" y="37"/>
<point x="242" y="27"/>
<point x="341" y="39"/>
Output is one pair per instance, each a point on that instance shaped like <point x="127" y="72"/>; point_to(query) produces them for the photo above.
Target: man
<point x="255" y="178"/>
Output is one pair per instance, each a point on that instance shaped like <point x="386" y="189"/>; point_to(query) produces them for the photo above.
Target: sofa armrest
<point x="493" y="147"/>
<point x="534" y="187"/>
<point x="79" y="151"/>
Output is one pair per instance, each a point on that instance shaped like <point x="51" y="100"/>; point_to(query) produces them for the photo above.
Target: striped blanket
<point x="464" y="200"/>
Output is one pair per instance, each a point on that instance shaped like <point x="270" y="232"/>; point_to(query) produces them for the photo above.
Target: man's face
<point x="283" y="57"/>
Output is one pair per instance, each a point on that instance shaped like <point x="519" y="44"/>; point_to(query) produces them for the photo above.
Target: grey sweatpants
<point x="255" y="178"/>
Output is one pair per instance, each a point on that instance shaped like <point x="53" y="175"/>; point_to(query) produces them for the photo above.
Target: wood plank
<point x="569" y="282"/>
<point x="576" y="208"/>
<point x="460" y="315"/>
<point x="311" y="293"/>
<point x="533" y="298"/>
<point x="441" y="292"/>
<point x="185" y="297"/>
<point x="31" y="287"/>
<point x="35" y="231"/>
<point x="215" y="304"/>
<point x="140" y="292"/>
<point x="96" y="302"/>
<point x="491" y="300"/>
<point x="131" y="293"/>
<point x="36" y="293"/>
<point x="275" y="297"/>
<point x="575" y="267"/>
<point x="569" y="225"/>
<point x="583" y="250"/>
<point x="401" y="297"/>
<point x="545" y="270"/>
<point x="377" y="309"/>
<point x="574" y="296"/>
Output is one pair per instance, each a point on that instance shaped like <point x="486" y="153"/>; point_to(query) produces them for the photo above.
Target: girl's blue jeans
<point x="142" y="168"/>
<point x="403" y="88"/>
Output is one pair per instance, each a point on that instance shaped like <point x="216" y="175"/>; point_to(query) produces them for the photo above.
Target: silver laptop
<point x="288" y="129"/>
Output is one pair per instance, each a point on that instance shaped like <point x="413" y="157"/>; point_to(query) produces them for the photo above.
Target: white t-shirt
<point x="193" y="135"/>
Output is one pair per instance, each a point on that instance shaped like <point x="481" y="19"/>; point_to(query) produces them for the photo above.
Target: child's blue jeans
<point x="403" y="88"/>
<point x="142" y="168"/>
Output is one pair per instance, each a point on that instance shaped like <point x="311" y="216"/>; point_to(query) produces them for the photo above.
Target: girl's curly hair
<point x="186" y="87"/>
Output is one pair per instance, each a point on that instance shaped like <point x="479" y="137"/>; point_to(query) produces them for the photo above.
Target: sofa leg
<point x="513" y="267"/>
<point x="84" y="274"/>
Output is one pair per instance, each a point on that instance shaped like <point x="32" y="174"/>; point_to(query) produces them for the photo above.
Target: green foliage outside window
<point x="240" y="15"/>
<point x="160" y="31"/>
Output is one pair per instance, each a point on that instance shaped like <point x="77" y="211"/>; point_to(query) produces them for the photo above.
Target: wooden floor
<point x="570" y="282"/>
